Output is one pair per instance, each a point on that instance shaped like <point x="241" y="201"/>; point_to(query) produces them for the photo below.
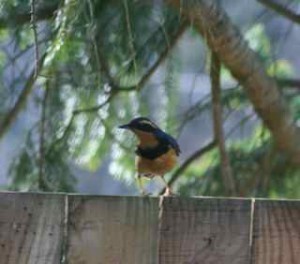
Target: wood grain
<point x="34" y="229"/>
<point x="112" y="230"/>
<point x="197" y="231"/>
<point x="276" y="232"/>
<point x="31" y="228"/>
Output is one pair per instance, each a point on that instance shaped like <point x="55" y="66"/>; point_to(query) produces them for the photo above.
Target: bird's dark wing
<point x="168" y="140"/>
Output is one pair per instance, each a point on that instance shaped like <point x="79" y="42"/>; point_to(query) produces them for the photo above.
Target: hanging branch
<point x="41" y="179"/>
<point x="226" y="171"/>
<point x="173" y="39"/>
<point x="281" y="10"/>
<point x="130" y="35"/>
<point x="172" y="42"/>
<point x="35" y="37"/>
<point x="19" y="16"/>
<point x="137" y="87"/>
<point x="11" y="115"/>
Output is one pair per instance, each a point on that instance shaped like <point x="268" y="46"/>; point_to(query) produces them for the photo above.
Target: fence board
<point x="276" y="232"/>
<point x="205" y="231"/>
<point x="112" y="230"/>
<point x="129" y="230"/>
<point x="31" y="228"/>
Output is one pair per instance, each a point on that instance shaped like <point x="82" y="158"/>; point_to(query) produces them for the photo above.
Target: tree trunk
<point x="227" y="42"/>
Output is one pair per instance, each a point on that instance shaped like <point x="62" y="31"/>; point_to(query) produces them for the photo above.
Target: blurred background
<point x="75" y="70"/>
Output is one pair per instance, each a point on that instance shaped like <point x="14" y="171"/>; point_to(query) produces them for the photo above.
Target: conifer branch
<point x="281" y="10"/>
<point x="12" y="114"/>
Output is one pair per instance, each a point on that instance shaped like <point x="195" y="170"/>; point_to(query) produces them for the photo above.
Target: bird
<point x="156" y="151"/>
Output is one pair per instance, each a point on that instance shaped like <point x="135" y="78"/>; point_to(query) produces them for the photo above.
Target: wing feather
<point x="168" y="140"/>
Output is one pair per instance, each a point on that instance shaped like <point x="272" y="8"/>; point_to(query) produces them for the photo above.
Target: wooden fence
<point x="76" y="229"/>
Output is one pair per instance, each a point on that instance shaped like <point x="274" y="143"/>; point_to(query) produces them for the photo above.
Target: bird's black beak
<point x="126" y="126"/>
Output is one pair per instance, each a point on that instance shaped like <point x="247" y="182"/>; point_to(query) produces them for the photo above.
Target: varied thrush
<point x="156" y="152"/>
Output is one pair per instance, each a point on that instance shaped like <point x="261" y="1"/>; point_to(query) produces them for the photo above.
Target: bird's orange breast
<point x="158" y="166"/>
<point x="146" y="139"/>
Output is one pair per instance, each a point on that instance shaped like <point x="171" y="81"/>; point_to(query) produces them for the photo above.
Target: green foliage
<point x="295" y="106"/>
<point x="258" y="170"/>
<point x="130" y="38"/>
<point x="23" y="169"/>
<point x="258" y="41"/>
<point x="96" y="54"/>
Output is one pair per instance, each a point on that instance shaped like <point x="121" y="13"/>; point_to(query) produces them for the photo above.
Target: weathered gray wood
<point x="276" y="232"/>
<point x="31" y="228"/>
<point x="129" y="230"/>
<point x="112" y="230"/>
<point x="204" y="230"/>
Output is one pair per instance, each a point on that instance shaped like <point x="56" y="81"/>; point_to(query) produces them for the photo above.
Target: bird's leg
<point x="168" y="191"/>
<point x="141" y="187"/>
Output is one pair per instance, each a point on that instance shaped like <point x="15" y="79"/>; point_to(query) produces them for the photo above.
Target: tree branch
<point x="11" y="115"/>
<point x="130" y="35"/>
<point x="288" y="82"/>
<point x="35" y="37"/>
<point x="17" y="17"/>
<point x="173" y="40"/>
<point x="137" y="87"/>
<point x="41" y="180"/>
<point x="208" y="147"/>
<point x="226" y="172"/>
<point x="281" y="10"/>
<point x="227" y="42"/>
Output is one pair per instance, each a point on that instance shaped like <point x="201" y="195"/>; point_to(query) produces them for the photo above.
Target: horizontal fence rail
<point x="77" y="229"/>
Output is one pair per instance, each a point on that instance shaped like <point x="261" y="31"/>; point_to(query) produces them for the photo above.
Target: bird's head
<point x="141" y="124"/>
<point x="144" y="129"/>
